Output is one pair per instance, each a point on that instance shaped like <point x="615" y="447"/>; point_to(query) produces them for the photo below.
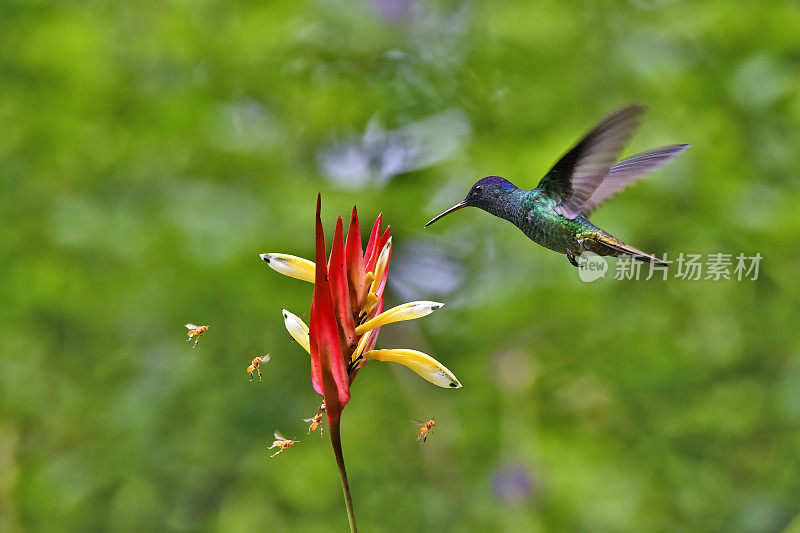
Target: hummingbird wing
<point x="630" y="171"/>
<point x="578" y="174"/>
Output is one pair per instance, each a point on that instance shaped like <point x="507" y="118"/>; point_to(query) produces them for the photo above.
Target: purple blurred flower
<point x="380" y="154"/>
<point x="513" y="484"/>
<point x="424" y="269"/>
<point x="393" y="10"/>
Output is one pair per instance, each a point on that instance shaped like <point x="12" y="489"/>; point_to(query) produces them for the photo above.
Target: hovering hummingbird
<point x="555" y="213"/>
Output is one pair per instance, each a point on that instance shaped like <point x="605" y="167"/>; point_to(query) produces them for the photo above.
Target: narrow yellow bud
<point x="297" y="329"/>
<point x="380" y="266"/>
<point x="371" y="300"/>
<point x="360" y="348"/>
<point x="423" y="364"/>
<point x="408" y="311"/>
<point x="290" y="265"/>
<point x="371" y="297"/>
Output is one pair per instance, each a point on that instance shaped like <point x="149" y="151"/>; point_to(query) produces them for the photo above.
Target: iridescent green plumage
<point x="555" y="213"/>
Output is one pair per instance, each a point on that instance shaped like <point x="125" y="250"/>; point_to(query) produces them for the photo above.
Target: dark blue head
<point x="488" y="194"/>
<point x="488" y="191"/>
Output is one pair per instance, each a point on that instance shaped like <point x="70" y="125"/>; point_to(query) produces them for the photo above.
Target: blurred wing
<point x="191" y="326"/>
<point x="308" y="419"/>
<point x="578" y="174"/>
<point x="418" y="422"/>
<point x="264" y="358"/>
<point x="278" y="436"/>
<point x="630" y="171"/>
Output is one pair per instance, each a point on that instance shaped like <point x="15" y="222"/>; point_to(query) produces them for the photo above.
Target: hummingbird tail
<point x="608" y="245"/>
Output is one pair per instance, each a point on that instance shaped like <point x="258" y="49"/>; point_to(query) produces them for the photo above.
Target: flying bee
<point x="316" y="420"/>
<point x="255" y="366"/>
<point x="195" y="331"/>
<point x="424" y="429"/>
<point x="281" y="443"/>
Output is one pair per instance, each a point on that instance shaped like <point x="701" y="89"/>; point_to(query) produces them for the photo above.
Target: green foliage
<point x="150" y="151"/>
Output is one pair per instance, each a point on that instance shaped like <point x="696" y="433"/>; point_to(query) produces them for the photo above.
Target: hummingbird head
<point x="488" y="194"/>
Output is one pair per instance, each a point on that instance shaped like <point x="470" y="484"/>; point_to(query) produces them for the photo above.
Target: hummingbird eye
<point x="478" y="189"/>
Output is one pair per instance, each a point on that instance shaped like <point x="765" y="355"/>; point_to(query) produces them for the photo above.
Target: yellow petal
<point x="290" y="265"/>
<point x="408" y="311"/>
<point x="423" y="364"/>
<point x="297" y="329"/>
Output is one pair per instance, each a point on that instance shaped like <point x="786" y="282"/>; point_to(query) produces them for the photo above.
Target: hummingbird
<point x="556" y="213"/>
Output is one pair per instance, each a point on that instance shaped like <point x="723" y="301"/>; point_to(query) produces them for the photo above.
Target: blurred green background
<point x="150" y="151"/>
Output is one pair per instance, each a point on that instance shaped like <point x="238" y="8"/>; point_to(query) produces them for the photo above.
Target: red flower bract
<point x="341" y="289"/>
<point x="328" y="366"/>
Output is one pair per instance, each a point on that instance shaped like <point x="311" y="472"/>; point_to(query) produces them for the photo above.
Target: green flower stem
<point x="336" y="441"/>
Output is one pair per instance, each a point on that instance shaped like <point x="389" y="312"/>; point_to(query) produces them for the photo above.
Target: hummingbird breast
<point x="539" y="221"/>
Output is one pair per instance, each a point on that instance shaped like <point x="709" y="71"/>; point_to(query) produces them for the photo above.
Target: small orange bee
<point x="281" y="443"/>
<point x="425" y="429"/>
<point x="316" y="420"/>
<point x="195" y="331"/>
<point x="255" y="366"/>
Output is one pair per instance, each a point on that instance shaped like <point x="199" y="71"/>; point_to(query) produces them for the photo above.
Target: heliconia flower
<point x="356" y="281"/>
<point x="347" y="313"/>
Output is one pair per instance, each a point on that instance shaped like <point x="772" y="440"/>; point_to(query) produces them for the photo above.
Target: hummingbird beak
<point x="460" y="205"/>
